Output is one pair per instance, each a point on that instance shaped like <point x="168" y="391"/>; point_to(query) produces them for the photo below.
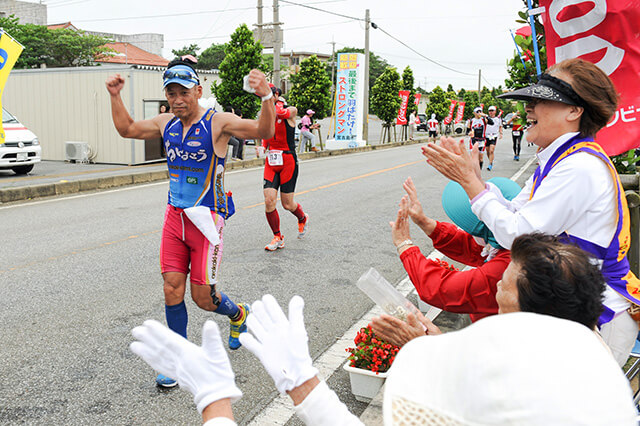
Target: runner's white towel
<point x="201" y="218"/>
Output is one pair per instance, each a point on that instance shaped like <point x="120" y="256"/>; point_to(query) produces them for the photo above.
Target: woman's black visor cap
<point x="548" y="88"/>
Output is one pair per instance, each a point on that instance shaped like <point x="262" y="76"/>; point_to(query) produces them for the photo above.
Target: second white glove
<point x="280" y="344"/>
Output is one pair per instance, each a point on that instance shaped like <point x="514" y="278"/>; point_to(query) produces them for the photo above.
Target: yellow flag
<point x="10" y="50"/>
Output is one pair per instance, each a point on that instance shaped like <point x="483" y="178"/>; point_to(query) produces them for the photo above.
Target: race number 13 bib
<point x="516" y="133"/>
<point x="275" y="158"/>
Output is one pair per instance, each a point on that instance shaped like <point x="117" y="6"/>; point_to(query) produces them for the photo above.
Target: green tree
<point x="311" y="88"/>
<point x="211" y="57"/>
<point x="461" y="93"/>
<point x="384" y="98"/>
<point x="523" y="75"/>
<point x="450" y="88"/>
<point x="471" y="101"/>
<point x="377" y="65"/>
<point x="242" y="54"/>
<point x="407" y="84"/>
<point x="266" y="66"/>
<point x="54" y="48"/>
<point x="438" y="103"/>
<point x="192" y="50"/>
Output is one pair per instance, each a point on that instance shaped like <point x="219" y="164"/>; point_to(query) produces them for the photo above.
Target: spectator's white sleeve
<point x="576" y="197"/>
<point x="323" y="408"/>
<point x="517" y="202"/>
<point x="220" y="421"/>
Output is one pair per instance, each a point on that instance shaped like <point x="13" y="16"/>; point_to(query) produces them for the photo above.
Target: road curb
<point x="21" y="193"/>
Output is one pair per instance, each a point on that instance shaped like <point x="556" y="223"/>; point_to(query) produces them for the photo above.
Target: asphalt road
<point x="78" y="273"/>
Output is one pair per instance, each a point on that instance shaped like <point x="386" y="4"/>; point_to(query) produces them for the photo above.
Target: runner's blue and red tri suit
<point x="196" y="177"/>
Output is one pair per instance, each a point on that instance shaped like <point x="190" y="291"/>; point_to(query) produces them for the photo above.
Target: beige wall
<point x="72" y="104"/>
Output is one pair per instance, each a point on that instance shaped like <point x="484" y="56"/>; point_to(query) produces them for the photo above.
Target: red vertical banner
<point x="449" y="117"/>
<point x="460" y="112"/>
<point x="417" y="98"/>
<point x="401" y="119"/>
<point x="605" y="33"/>
<point x="500" y="115"/>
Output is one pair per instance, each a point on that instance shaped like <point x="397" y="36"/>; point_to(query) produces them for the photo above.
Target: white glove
<point x="281" y="345"/>
<point x="205" y="370"/>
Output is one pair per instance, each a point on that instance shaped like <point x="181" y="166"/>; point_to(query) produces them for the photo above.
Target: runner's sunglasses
<point x="181" y="74"/>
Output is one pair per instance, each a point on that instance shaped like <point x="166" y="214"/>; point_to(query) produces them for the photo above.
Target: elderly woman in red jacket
<point x="467" y="241"/>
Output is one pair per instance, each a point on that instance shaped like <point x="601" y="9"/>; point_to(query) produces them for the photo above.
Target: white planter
<point x="365" y="384"/>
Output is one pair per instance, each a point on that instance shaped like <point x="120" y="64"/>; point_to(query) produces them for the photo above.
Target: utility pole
<point x="277" y="44"/>
<point x="479" y="77"/>
<point x="333" y="66"/>
<point x="365" y="131"/>
<point x="259" y="25"/>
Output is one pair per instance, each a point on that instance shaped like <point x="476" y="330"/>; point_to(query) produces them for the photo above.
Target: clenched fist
<point x="114" y="83"/>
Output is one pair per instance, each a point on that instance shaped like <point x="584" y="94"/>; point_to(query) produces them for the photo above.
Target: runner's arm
<point x="125" y="125"/>
<point x="264" y="127"/>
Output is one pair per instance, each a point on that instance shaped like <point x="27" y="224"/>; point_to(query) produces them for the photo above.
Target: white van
<point x="21" y="148"/>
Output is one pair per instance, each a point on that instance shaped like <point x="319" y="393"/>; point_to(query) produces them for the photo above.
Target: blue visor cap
<point x="181" y="74"/>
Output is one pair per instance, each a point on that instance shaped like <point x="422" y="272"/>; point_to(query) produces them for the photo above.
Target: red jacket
<point x="468" y="292"/>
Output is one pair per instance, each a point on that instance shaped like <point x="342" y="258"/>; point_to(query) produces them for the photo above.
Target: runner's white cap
<point x="433" y="116"/>
<point x="492" y="108"/>
<point x="477" y="109"/>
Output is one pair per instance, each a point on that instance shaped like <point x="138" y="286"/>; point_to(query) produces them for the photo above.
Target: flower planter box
<point x="365" y="384"/>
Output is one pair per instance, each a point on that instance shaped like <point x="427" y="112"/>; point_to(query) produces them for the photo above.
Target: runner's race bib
<point x="275" y="158"/>
<point x="516" y="133"/>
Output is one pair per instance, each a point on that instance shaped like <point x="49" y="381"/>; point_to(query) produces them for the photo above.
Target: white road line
<point x="280" y="410"/>
<point x="523" y="169"/>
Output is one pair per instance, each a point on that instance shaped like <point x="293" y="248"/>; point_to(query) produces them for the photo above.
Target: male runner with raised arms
<point x="281" y="172"/>
<point x="493" y="131"/>
<point x="195" y="140"/>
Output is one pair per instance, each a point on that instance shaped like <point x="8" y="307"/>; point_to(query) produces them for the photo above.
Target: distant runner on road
<point x="477" y="130"/>
<point x="195" y="140"/>
<point x="494" y="131"/>
<point x="281" y="172"/>
<point x="432" y="124"/>
<point x="516" y="133"/>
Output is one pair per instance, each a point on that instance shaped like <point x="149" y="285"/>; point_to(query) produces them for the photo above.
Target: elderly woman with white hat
<point x="575" y="191"/>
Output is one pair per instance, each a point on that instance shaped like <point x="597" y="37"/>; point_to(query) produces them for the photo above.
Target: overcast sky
<point x="464" y="35"/>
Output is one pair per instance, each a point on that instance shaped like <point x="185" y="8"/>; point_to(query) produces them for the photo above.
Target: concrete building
<point x="27" y="12"/>
<point x="150" y="42"/>
<point x="63" y="105"/>
<point x="290" y="63"/>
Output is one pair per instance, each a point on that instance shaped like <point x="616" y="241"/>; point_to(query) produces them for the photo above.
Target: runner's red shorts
<point x="183" y="246"/>
<point x="282" y="177"/>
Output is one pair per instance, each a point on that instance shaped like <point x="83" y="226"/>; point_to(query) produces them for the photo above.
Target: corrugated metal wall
<point x="72" y="104"/>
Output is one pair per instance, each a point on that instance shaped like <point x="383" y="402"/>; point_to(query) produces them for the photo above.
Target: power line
<point x="322" y="10"/>
<point x="418" y="53"/>
<point x="168" y="15"/>
<point x="378" y="27"/>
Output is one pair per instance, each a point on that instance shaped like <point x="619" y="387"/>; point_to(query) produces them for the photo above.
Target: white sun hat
<point x="511" y="369"/>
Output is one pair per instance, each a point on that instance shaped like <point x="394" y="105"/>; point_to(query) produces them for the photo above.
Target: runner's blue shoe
<point x="490" y="166"/>
<point x="237" y="327"/>
<point x="165" y="382"/>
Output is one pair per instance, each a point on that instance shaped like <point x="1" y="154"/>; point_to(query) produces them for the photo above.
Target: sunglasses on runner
<point x="180" y="74"/>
